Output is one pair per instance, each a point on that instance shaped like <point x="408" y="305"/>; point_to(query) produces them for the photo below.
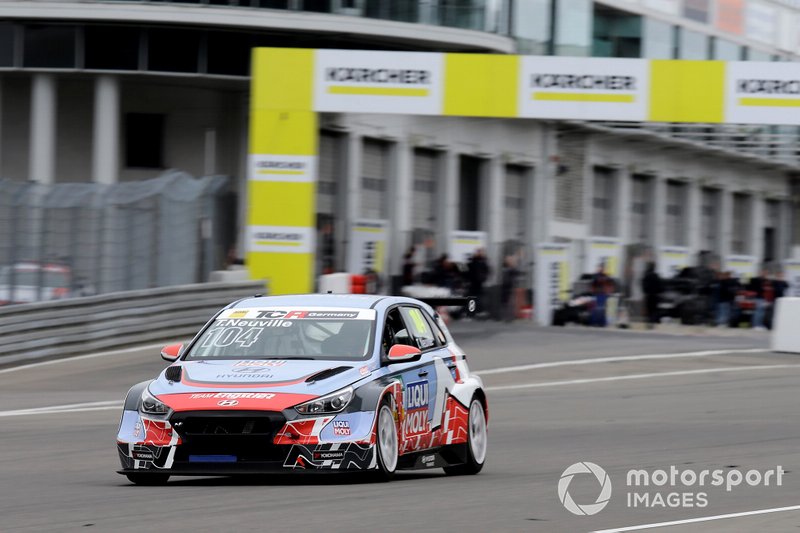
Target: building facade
<point x="110" y="91"/>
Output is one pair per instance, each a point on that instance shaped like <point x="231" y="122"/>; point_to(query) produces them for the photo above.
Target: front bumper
<point x="231" y="442"/>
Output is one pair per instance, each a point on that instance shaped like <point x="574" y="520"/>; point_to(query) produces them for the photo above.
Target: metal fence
<point x="79" y="239"/>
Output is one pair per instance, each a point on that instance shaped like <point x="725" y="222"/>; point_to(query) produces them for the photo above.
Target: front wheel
<point x="386" y="442"/>
<point x="476" y="442"/>
<point x="148" y="479"/>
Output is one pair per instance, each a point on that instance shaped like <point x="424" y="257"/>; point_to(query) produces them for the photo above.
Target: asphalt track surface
<point x="733" y="405"/>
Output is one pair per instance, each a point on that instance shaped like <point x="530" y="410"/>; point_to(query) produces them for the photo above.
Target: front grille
<point x="227" y="426"/>
<point x="247" y="435"/>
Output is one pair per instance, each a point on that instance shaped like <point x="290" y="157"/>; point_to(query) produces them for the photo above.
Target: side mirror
<point x="172" y="352"/>
<point x="403" y="352"/>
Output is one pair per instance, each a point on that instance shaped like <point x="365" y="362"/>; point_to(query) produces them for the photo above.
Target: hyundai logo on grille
<point x="227" y="403"/>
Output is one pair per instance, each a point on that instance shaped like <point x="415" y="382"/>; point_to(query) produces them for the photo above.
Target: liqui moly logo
<point x="341" y="428"/>
<point x="416" y="398"/>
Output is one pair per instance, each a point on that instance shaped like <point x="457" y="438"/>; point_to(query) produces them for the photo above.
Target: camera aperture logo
<point x="590" y="508"/>
<point x="672" y="487"/>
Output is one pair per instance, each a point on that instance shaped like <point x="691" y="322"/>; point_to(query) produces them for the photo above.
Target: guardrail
<point x="75" y="326"/>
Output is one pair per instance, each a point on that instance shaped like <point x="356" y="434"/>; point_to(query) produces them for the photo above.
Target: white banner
<point x="368" y="244"/>
<point x="464" y="243"/>
<point x="291" y="168"/>
<point x="552" y="280"/>
<point x="741" y="266"/>
<point x="593" y="88"/>
<point x="378" y="82"/>
<point x="604" y="251"/>
<point x="791" y="271"/>
<point x="762" y="93"/>
<point x="282" y="239"/>
<point x="671" y="260"/>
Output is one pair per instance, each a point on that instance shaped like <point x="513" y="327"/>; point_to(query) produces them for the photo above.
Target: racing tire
<point x="387" y="446"/>
<point x="148" y="479"/>
<point x="476" y="442"/>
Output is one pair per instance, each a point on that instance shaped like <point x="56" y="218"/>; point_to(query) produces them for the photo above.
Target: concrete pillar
<point x="42" y="151"/>
<point x="784" y="230"/>
<point x="757" y="219"/>
<point x="496" y="234"/>
<point x="725" y="231"/>
<point x="623" y="205"/>
<point x="543" y="194"/>
<point x="694" y="217"/>
<point x="352" y="190"/>
<point x="400" y="198"/>
<point x="1" y="128"/>
<point x="659" y="205"/>
<point x="105" y="145"/>
<point x="450" y="198"/>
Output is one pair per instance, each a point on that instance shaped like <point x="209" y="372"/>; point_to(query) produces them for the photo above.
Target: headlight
<point x="332" y="403"/>
<point x="151" y="405"/>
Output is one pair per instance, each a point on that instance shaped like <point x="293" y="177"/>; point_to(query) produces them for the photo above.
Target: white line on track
<point x="703" y="519"/>
<point x="124" y="351"/>
<point x="68" y="408"/>
<point x="638" y="376"/>
<point x="617" y="359"/>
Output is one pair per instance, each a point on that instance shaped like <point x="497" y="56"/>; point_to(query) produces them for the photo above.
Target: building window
<point x="616" y="33"/>
<point x="659" y="40"/>
<point x="6" y="44"/>
<point x="692" y="44"/>
<point x="228" y="53"/>
<point x="726" y="50"/>
<point x="374" y="179"/>
<point x="49" y="46"/>
<point x="740" y="241"/>
<point x="603" y="202"/>
<point x="144" y="140"/>
<point x="112" y="48"/>
<point x="531" y="25"/>
<point x="515" y="204"/>
<point x="469" y="210"/>
<point x="710" y="213"/>
<point x="675" y="229"/>
<point x="641" y="202"/>
<point x="173" y="50"/>
<point x="573" y="28"/>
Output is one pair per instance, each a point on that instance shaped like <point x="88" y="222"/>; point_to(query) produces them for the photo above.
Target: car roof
<point x="355" y="301"/>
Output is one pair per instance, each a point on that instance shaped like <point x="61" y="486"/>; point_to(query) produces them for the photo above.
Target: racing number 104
<point x="224" y="337"/>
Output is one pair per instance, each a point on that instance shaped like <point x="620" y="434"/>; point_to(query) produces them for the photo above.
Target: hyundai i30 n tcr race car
<point x="313" y="382"/>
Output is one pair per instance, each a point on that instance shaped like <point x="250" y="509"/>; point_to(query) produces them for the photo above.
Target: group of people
<point x="727" y="296"/>
<point x="467" y="279"/>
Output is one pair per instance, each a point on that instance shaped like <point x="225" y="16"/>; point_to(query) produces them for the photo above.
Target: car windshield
<point x="307" y="333"/>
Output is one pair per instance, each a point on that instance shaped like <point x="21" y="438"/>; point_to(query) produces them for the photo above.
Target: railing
<point x="772" y="144"/>
<point x="477" y="15"/>
<point x="84" y="325"/>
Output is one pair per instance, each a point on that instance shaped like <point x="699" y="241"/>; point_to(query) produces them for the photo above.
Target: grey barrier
<point x="75" y="326"/>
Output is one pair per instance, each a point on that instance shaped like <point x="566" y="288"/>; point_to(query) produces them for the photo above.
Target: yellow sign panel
<point x="687" y="91"/>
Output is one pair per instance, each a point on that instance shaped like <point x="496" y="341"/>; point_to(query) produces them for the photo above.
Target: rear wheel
<point x="476" y="442"/>
<point x="386" y="442"/>
<point x="148" y="479"/>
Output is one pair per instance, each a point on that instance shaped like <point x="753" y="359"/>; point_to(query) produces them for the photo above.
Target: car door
<point x="422" y="399"/>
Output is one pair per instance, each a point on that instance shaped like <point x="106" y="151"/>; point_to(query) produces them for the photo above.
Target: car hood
<point x="258" y="384"/>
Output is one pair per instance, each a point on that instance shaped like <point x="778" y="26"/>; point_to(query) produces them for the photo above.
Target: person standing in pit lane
<point x="652" y="288"/>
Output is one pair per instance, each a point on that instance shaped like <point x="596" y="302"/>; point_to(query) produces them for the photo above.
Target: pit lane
<point x="734" y="408"/>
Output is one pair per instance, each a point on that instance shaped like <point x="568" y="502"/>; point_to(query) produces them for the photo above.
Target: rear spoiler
<point x="467" y="302"/>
